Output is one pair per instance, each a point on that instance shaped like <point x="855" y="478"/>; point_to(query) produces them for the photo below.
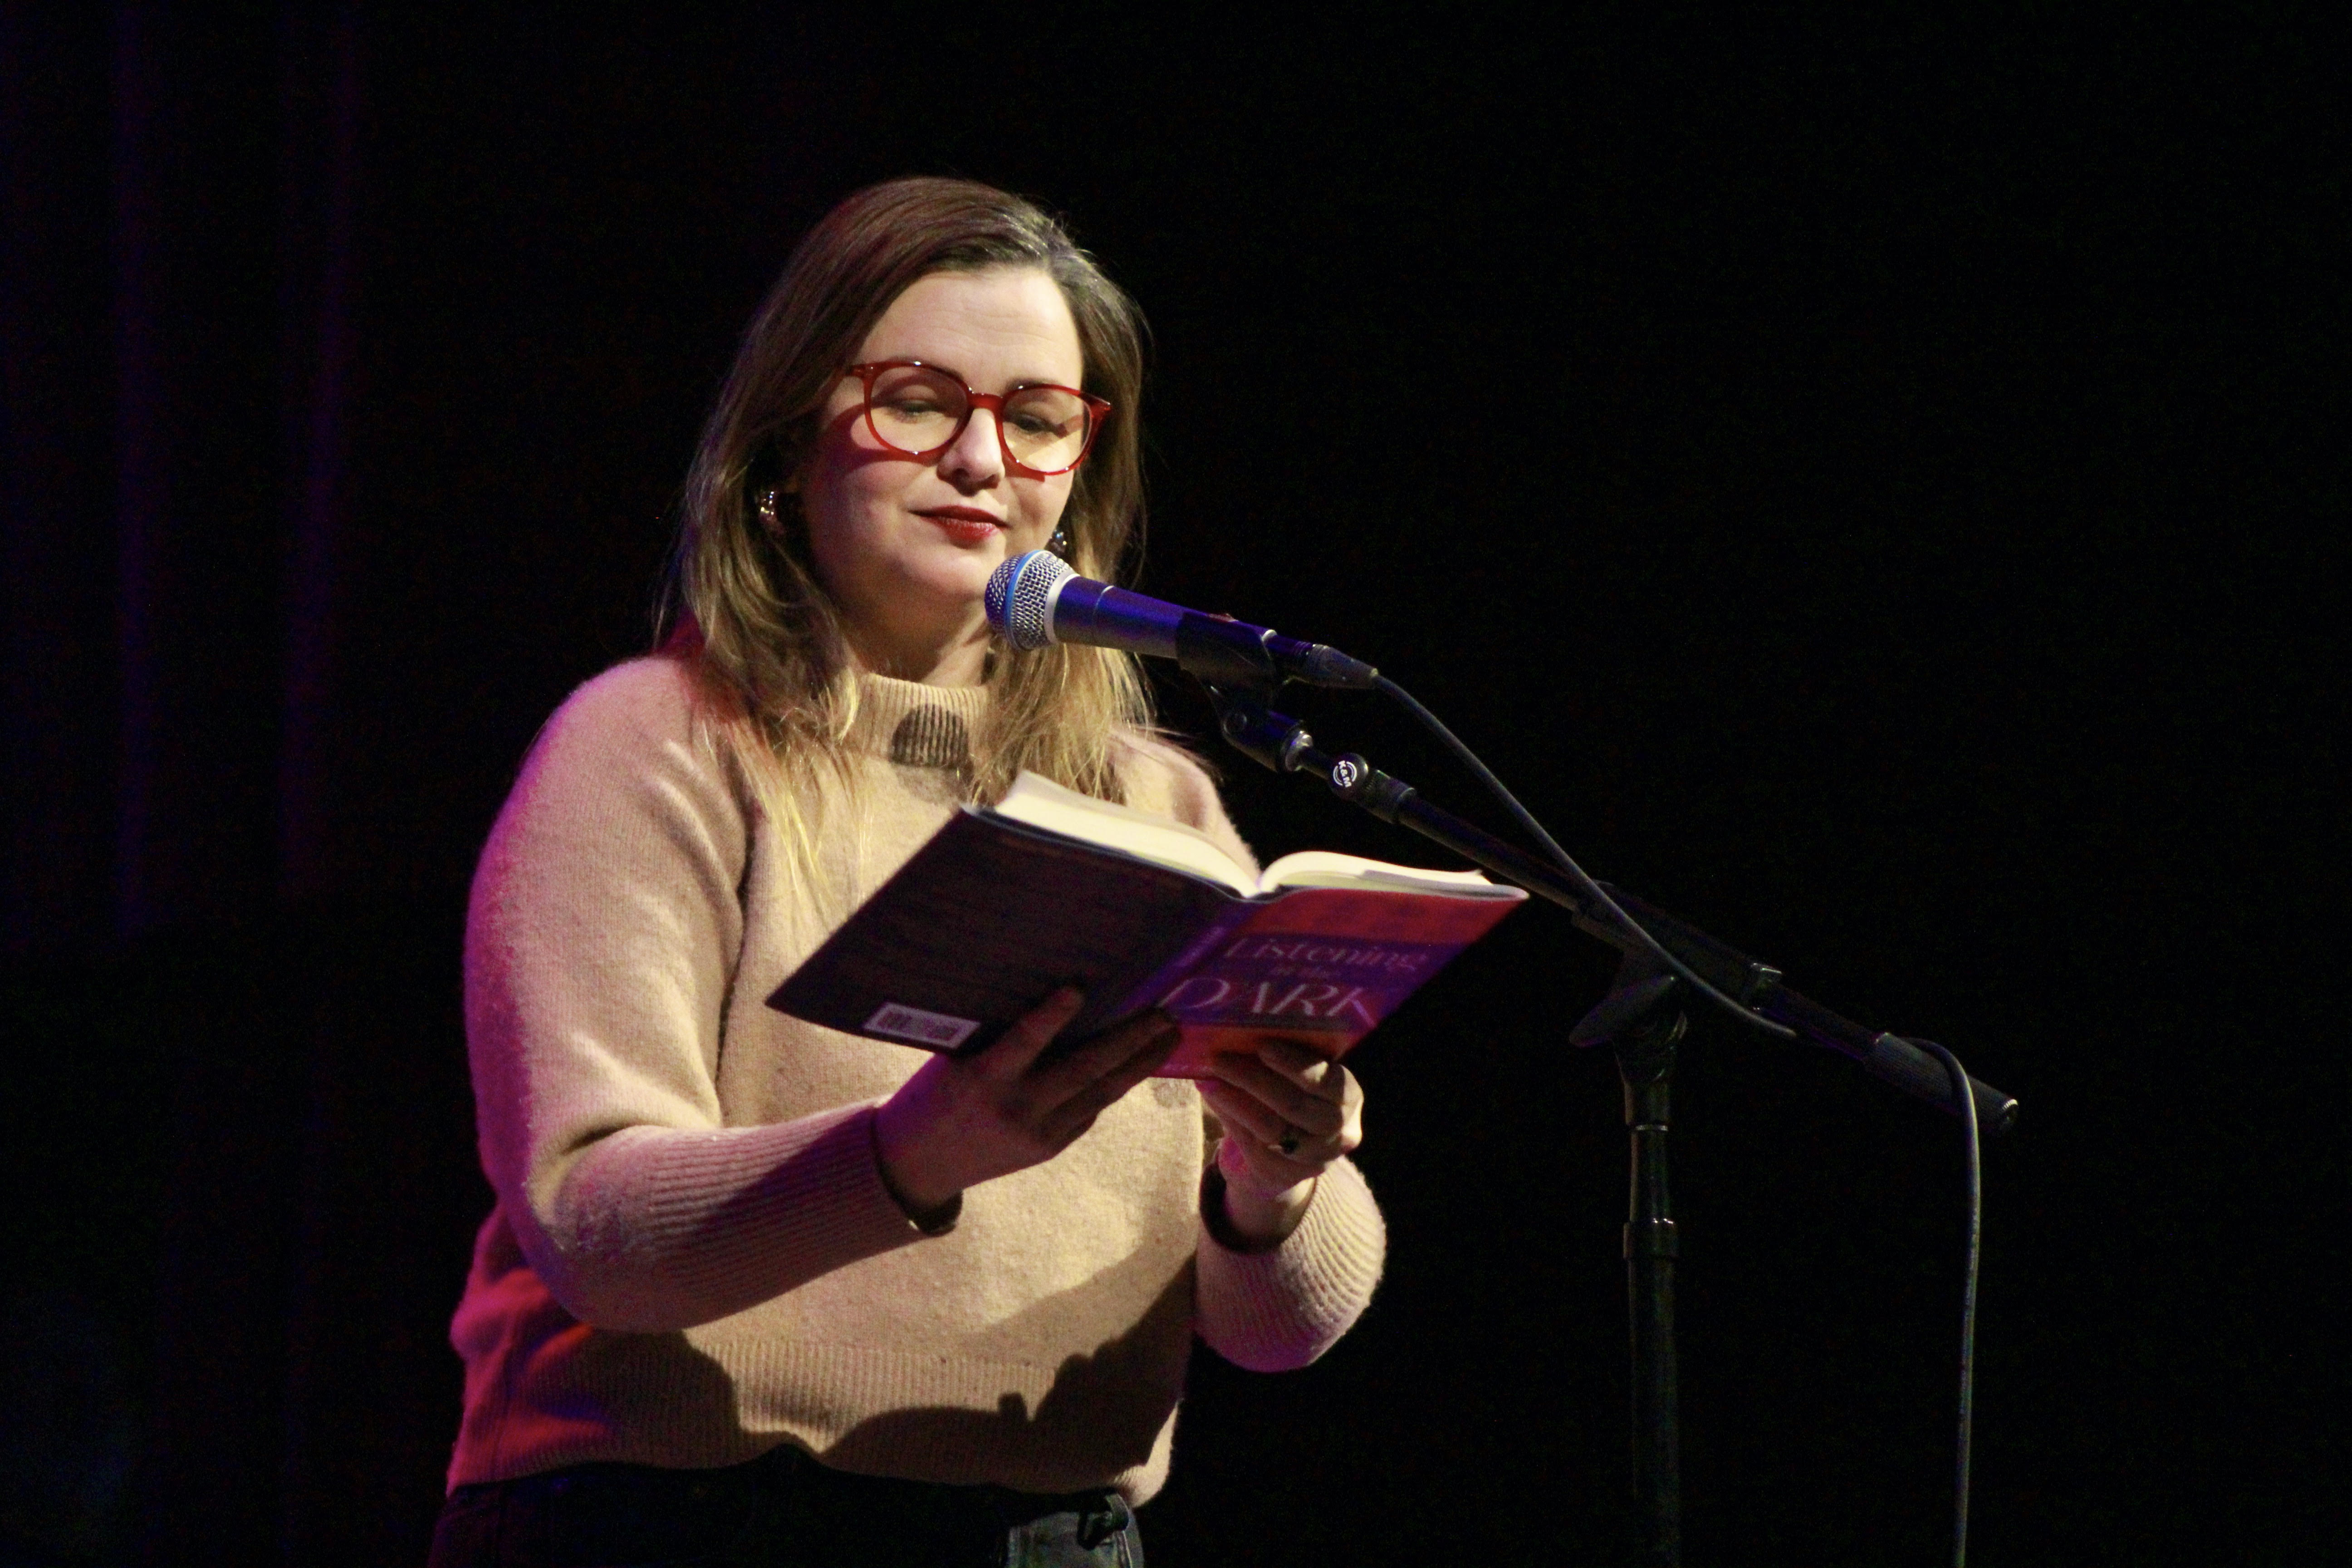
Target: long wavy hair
<point x="745" y="602"/>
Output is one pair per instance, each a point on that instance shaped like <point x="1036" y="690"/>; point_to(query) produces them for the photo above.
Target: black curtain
<point x="238" y="1145"/>
<point x="1870" y="480"/>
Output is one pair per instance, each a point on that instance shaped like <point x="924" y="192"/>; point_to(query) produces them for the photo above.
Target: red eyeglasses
<point x="919" y="410"/>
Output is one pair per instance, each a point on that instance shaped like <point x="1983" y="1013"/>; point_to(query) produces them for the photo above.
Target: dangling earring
<point x="1060" y="543"/>
<point x="767" y="504"/>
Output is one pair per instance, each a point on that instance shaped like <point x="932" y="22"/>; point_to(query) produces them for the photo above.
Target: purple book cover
<point x="1320" y="965"/>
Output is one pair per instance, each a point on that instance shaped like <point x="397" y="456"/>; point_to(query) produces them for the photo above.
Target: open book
<point x="1050" y="887"/>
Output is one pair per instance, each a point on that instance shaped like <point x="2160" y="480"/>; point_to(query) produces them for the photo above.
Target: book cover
<point x="1320" y="965"/>
<point x="993" y="914"/>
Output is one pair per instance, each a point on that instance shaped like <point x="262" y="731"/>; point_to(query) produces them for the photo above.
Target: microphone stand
<point x="1642" y="1020"/>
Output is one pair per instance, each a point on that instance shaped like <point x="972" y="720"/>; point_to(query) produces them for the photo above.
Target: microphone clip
<point x="1269" y="739"/>
<point x="1278" y="741"/>
<point x="1219" y="650"/>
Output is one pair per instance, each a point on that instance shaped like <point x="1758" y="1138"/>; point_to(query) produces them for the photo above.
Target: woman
<point x="755" y="1291"/>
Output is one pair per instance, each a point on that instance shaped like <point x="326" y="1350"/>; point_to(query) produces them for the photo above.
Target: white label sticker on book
<point x="937" y="1030"/>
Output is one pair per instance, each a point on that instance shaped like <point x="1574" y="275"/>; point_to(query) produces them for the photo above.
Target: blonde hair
<point x="744" y="603"/>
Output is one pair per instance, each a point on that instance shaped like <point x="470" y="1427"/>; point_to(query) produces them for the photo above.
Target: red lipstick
<point x="964" y="524"/>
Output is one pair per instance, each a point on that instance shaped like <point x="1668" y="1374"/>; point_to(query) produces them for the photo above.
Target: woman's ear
<point x="776" y="477"/>
<point x="792" y="459"/>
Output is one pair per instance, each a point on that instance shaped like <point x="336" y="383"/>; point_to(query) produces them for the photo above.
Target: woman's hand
<point x="963" y="1120"/>
<point x="1287" y="1113"/>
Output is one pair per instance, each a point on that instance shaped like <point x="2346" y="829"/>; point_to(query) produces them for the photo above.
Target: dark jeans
<point x="783" y="1509"/>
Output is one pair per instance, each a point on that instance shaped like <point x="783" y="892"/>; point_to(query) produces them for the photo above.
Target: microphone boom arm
<point x="1280" y="743"/>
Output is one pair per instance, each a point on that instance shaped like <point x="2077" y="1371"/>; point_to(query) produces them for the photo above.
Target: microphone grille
<point x="1020" y="598"/>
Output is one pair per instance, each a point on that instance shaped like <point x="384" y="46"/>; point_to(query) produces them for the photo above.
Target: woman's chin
<point x="958" y="578"/>
<point x="930" y="592"/>
<point x="922" y="590"/>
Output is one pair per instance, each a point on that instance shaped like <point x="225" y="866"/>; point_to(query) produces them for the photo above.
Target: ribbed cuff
<point x="1279" y="1309"/>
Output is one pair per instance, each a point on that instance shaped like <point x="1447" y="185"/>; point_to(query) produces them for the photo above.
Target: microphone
<point x="1036" y="600"/>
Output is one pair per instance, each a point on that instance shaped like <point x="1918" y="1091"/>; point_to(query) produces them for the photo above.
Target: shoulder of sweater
<point x="1163" y="777"/>
<point x="619" y="767"/>
<point x="653" y="697"/>
<point x="623" y="730"/>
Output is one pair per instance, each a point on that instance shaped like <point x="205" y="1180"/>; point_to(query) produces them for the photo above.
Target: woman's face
<point x="906" y="545"/>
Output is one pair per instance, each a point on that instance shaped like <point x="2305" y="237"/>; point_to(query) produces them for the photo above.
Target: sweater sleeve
<point x="601" y="942"/>
<point x="1278" y="1310"/>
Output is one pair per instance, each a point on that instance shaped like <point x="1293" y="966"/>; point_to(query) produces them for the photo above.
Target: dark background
<point x="1869" y="480"/>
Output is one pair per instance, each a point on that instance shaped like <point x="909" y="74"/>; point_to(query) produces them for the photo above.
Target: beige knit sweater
<point x="693" y="1259"/>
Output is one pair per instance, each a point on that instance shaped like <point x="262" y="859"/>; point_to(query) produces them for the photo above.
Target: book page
<point x="1042" y="802"/>
<point x="1326" y="868"/>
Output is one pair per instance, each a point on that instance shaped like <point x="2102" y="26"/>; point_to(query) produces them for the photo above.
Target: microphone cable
<point x="1967" y="1300"/>
<point x="1649" y="945"/>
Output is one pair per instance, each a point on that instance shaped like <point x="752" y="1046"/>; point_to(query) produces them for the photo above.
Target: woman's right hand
<point x="963" y="1120"/>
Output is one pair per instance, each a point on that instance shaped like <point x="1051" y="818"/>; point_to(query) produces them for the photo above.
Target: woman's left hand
<point x="1288" y="1115"/>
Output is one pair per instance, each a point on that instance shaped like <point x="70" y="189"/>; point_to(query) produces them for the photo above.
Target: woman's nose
<point x="975" y="458"/>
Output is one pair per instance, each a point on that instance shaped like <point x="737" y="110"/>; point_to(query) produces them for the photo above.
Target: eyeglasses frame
<point x="1098" y="412"/>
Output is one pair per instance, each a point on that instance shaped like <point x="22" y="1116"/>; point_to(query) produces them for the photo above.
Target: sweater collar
<point x="917" y="725"/>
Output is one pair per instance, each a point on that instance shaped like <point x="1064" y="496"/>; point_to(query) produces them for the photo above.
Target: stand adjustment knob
<point x="1651" y="1238"/>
